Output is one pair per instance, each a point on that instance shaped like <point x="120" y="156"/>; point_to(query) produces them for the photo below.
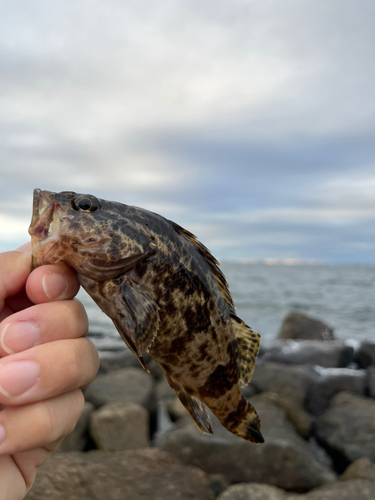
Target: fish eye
<point x="86" y="204"/>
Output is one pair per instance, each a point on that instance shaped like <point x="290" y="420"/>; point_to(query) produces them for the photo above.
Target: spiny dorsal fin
<point x="212" y="263"/>
<point x="248" y="347"/>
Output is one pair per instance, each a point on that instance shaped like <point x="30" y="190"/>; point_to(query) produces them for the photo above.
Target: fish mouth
<point x="42" y="213"/>
<point x="42" y="242"/>
<point x="35" y="216"/>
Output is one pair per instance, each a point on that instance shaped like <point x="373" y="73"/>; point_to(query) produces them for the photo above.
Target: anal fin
<point x="197" y="410"/>
<point x="248" y="347"/>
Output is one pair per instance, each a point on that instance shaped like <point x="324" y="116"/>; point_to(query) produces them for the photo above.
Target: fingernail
<point x="54" y="285"/>
<point x="2" y="434"/>
<point x="19" y="336"/>
<point x="18" y="377"/>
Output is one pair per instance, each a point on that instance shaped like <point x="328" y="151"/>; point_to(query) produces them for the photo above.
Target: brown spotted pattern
<point x="165" y="294"/>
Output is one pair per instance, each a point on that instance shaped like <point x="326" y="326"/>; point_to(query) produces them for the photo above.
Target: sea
<point x="343" y="296"/>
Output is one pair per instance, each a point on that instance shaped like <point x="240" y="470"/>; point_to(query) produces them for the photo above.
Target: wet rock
<point x="332" y="354"/>
<point x="348" y="426"/>
<point x="118" y="361"/>
<point x="362" y="468"/>
<point x="300" y="418"/>
<point x="290" y="381"/>
<point x="248" y="391"/>
<point x="164" y="422"/>
<point x="120" y="426"/>
<point x="133" y="474"/>
<point x="163" y="392"/>
<point x="330" y="381"/>
<point x="371" y="381"/>
<point x="285" y="460"/>
<point x="60" y="478"/>
<point x="365" y="355"/>
<point x="356" y="489"/>
<point x="218" y="483"/>
<point x="299" y="326"/>
<point x="127" y="385"/>
<point x="106" y="343"/>
<point x="175" y="408"/>
<point x="155" y="369"/>
<point x="253" y="491"/>
<point x="77" y="440"/>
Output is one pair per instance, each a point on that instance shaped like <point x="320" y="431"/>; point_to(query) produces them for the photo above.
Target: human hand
<point x="44" y="361"/>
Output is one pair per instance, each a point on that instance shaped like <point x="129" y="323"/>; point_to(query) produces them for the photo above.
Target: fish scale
<point x="165" y="294"/>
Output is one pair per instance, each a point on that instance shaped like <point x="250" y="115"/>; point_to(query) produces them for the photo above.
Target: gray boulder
<point x="112" y="361"/>
<point x="252" y="491"/>
<point x="164" y="422"/>
<point x="371" y="381"/>
<point x="120" y="426"/>
<point x="155" y="369"/>
<point x="285" y="460"/>
<point x="164" y="393"/>
<point x="332" y="354"/>
<point x="300" y="326"/>
<point x="248" y="391"/>
<point x="218" y="483"/>
<point x="348" y="426"/>
<point x="330" y="381"/>
<point x="134" y="474"/>
<point x="301" y="420"/>
<point x="77" y="440"/>
<point x="362" y="468"/>
<point x="365" y="355"/>
<point x="356" y="489"/>
<point x="163" y="390"/>
<point x="126" y="385"/>
<point x="288" y="381"/>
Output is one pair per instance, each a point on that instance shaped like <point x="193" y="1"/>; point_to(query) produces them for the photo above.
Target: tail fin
<point x="244" y="422"/>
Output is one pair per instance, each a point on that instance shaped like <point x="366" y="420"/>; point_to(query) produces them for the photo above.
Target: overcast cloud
<point x="251" y="123"/>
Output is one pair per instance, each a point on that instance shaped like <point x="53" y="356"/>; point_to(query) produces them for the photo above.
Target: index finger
<point x="15" y="268"/>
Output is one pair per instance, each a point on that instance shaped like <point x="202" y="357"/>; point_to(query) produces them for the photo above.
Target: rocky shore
<point x="316" y="399"/>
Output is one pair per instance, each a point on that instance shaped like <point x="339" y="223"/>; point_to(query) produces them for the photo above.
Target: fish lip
<point x="41" y="243"/>
<point x="36" y="198"/>
<point x="42" y="213"/>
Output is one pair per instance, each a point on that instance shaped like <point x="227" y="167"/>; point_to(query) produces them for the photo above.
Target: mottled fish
<point x="165" y="294"/>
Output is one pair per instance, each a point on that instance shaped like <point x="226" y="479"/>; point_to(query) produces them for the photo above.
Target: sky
<point x="250" y="123"/>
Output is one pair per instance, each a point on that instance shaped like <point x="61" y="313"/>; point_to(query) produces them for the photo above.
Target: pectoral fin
<point x="139" y="314"/>
<point x="127" y="338"/>
<point x="131" y="308"/>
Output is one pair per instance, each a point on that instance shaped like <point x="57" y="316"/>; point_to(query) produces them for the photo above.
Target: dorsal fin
<point x="248" y="347"/>
<point x="212" y="263"/>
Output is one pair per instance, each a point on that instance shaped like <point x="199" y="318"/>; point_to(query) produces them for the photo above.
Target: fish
<point x="164" y="292"/>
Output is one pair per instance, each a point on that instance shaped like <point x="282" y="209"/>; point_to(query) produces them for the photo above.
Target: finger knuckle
<point x="86" y="362"/>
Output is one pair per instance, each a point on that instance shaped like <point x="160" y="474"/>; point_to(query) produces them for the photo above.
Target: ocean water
<point x="343" y="296"/>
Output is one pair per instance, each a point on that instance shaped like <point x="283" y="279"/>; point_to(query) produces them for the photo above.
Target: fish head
<point x="61" y="221"/>
<point x="79" y="230"/>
